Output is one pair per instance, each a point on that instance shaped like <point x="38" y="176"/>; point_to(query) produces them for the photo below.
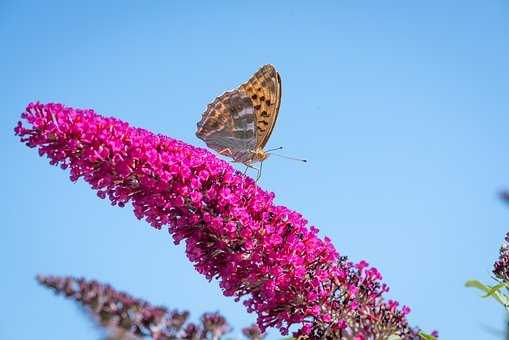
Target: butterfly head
<point x="260" y="155"/>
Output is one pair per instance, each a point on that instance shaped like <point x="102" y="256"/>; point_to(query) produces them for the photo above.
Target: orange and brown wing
<point x="228" y="126"/>
<point x="264" y="89"/>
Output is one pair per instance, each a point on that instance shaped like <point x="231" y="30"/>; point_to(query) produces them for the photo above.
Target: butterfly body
<point x="238" y="123"/>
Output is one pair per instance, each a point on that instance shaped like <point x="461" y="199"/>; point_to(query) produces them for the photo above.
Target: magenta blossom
<point x="501" y="266"/>
<point x="260" y="252"/>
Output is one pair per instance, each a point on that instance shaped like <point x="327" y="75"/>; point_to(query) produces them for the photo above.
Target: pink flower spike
<point x="263" y="254"/>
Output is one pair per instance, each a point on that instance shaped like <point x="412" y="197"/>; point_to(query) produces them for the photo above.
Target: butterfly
<point x="239" y="123"/>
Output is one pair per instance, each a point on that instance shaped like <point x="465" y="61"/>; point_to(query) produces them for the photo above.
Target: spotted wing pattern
<point x="264" y="89"/>
<point x="228" y="126"/>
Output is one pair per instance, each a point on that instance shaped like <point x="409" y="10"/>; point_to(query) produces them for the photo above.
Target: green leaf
<point x="425" y="336"/>
<point x="490" y="291"/>
<point x="476" y="284"/>
<point x="495" y="289"/>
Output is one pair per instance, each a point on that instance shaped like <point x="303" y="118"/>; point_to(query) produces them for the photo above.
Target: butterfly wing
<point x="264" y="89"/>
<point x="228" y="126"/>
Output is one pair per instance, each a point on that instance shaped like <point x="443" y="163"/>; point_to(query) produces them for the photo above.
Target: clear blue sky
<point x="401" y="108"/>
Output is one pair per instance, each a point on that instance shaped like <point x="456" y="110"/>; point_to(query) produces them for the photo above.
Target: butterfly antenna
<point x="278" y="148"/>
<point x="292" y="158"/>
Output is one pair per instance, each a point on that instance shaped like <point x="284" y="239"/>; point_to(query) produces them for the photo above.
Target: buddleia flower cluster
<point x="501" y="266"/>
<point x="264" y="254"/>
<point x="499" y="290"/>
<point x="126" y="317"/>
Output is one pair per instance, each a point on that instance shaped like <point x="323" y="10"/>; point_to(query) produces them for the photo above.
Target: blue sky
<point x="401" y="108"/>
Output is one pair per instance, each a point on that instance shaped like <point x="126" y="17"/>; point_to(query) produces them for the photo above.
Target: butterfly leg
<point x="259" y="174"/>
<point x="252" y="167"/>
